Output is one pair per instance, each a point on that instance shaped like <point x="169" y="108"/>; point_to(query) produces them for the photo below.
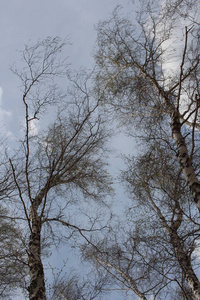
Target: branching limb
<point x="20" y="195"/>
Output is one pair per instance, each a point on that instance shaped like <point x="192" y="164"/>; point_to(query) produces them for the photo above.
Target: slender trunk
<point x="183" y="156"/>
<point x="180" y="253"/>
<point x="124" y="276"/>
<point x="184" y="159"/>
<point x="185" y="263"/>
<point x="37" y="284"/>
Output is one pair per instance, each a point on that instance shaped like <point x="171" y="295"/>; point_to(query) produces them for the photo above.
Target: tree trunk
<point x="37" y="285"/>
<point x="180" y="253"/>
<point x="124" y="275"/>
<point x="184" y="159"/>
<point x="183" y="156"/>
<point x="185" y="263"/>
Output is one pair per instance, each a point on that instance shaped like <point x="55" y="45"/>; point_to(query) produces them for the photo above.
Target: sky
<point x="30" y="20"/>
<point x="22" y="21"/>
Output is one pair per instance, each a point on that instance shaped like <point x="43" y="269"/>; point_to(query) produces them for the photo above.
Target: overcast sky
<point x="24" y="20"/>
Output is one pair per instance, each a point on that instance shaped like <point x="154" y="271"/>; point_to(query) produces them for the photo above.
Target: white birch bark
<point x="124" y="276"/>
<point x="180" y="253"/>
<point x="185" y="263"/>
<point x="184" y="159"/>
<point x="182" y="150"/>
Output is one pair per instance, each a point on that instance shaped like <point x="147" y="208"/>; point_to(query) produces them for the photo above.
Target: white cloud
<point x="33" y="128"/>
<point x="3" y="112"/>
<point x="4" y="115"/>
<point x="5" y="134"/>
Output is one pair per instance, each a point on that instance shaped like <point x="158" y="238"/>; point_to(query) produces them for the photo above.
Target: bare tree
<point x="144" y="88"/>
<point x="152" y="253"/>
<point x="163" y="187"/>
<point x="150" y="78"/>
<point x="55" y="162"/>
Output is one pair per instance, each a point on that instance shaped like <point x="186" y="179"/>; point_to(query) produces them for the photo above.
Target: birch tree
<point x="150" y="67"/>
<point x="56" y="159"/>
<point x="154" y="252"/>
<point x="148" y="70"/>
